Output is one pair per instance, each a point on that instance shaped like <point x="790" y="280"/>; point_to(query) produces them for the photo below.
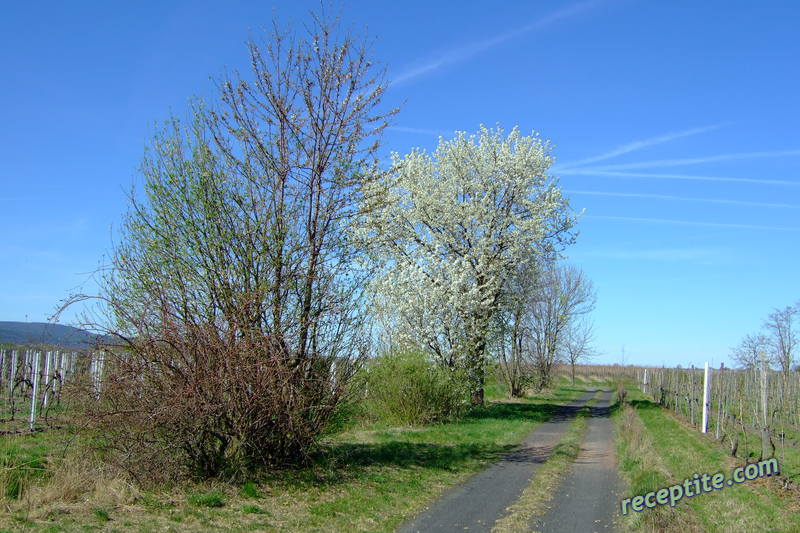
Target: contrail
<point x="646" y="175"/>
<point x="690" y="223"/>
<point x="698" y="160"/>
<point x="464" y="52"/>
<point x="683" y="199"/>
<point x="669" y="254"/>
<point x="638" y="145"/>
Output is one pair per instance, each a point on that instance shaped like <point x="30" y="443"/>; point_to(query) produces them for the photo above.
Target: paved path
<point x="476" y="504"/>
<point x="588" y="499"/>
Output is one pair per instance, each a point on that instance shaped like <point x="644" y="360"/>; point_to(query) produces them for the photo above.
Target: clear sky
<point x="675" y="126"/>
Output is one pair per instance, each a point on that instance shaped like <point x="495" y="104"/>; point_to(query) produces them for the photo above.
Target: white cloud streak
<point x="663" y="254"/>
<point x="647" y="175"/>
<point x="691" y="223"/>
<point x="469" y="50"/>
<point x="699" y="160"/>
<point x="638" y="145"/>
<point x="682" y="199"/>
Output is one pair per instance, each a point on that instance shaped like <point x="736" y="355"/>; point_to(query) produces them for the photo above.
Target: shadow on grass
<point x="512" y="411"/>
<point x="644" y="404"/>
<point x="339" y="462"/>
<point x="413" y="454"/>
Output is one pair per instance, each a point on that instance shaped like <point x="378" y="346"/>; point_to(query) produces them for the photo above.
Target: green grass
<point x="250" y="490"/>
<point x="102" y="514"/>
<point x="363" y="479"/>
<point x="212" y="498"/>
<point x="680" y="452"/>
<point x="22" y="462"/>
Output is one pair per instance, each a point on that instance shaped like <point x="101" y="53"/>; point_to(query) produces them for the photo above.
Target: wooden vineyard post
<point x="721" y="400"/>
<point x="706" y="388"/>
<point x="765" y="440"/>
<point x="691" y="396"/>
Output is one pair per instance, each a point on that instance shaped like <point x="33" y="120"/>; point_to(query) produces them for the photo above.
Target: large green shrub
<point x="408" y="388"/>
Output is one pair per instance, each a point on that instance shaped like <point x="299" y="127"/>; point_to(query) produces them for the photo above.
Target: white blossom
<point x="448" y="229"/>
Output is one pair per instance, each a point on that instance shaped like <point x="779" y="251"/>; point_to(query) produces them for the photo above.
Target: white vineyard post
<point x="35" y="377"/>
<point x="68" y="364"/>
<point x="644" y="382"/>
<point x="92" y="370"/>
<point x="58" y="364"/>
<point x="14" y="358"/>
<point x="25" y="365"/>
<point x="706" y="390"/>
<point x="47" y="358"/>
<point x="101" y="363"/>
<point x="2" y="366"/>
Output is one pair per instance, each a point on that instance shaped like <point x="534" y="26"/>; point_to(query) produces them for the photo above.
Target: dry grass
<point x="645" y="471"/>
<point x="78" y="482"/>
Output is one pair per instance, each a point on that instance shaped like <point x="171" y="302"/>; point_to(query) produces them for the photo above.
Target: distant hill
<point x="27" y="333"/>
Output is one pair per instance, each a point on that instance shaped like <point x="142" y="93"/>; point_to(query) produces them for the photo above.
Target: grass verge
<point x="367" y="479"/>
<point x="659" y="450"/>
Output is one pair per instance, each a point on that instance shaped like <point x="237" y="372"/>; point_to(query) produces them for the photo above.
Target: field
<point x="657" y="448"/>
<point x="374" y="477"/>
<point x="364" y="478"/>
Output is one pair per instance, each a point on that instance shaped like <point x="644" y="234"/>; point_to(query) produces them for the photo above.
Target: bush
<point x="408" y="388"/>
<point x="232" y="297"/>
<point x="193" y="405"/>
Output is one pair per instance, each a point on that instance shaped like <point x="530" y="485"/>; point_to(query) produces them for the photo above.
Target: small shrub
<point x="253" y="509"/>
<point x="212" y="498"/>
<point x="622" y="393"/>
<point x="102" y="514"/>
<point x="249" y="490"/>
<point x="408" y="388"/>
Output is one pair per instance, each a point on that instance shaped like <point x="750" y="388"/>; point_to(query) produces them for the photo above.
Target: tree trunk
<point x="477" y="396"/>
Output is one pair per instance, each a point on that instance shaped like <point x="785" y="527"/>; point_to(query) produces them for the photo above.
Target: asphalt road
<point x="477" y="503"/>
<point x="588" y="499"/>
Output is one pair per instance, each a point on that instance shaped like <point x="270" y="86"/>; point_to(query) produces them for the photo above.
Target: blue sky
<point x="674" y="124"/>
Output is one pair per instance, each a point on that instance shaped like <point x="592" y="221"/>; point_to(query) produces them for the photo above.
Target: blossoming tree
<point x="449" y="229"/>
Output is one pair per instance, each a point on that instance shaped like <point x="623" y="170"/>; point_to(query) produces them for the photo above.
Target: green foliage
<point x="102" y="514"/>
<point x="407" y="388"/>
<point x="253" y="509"/>
<point x="212" y="498"/>
<point x="250" y="490"/>
<point x="349" y="412"/>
